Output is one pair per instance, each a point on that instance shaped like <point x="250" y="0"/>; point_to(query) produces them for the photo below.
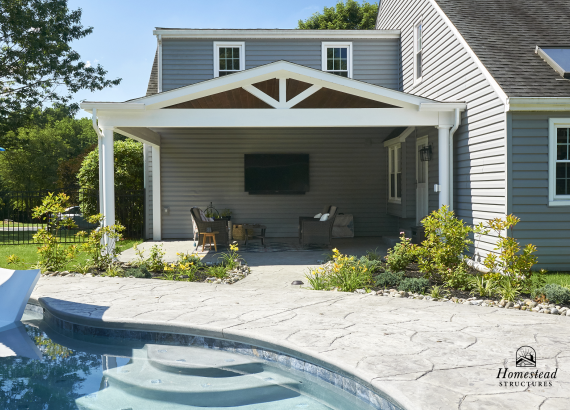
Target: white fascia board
<point x="236" y="118"/>
<point x="88" y="106"/>
<point x="539" y="104"/>
<point x="281" y="69"/>
<point x="494" y="84"/>
<point x="296" y="34"/>
<point x="443" y="106"/>
<point x="400" y="138"/>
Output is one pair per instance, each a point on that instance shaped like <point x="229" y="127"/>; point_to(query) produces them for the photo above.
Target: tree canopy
<point x="37" y="64"/>
<point x="34" y="153"/>
<point x="345" y="16"/>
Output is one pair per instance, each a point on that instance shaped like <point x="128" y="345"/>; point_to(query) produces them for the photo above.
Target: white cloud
<point x="88" y="64"/>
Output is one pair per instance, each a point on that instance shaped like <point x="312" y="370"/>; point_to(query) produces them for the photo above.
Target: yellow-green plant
<point x="100" y="243"/>
<point x="155" y="261"/>
<point x="402" y="254"/>
<point x="53" y="256"/>
<point x="346" y="273"/>
<point x="447" y="239"/>
<point x="437" y="292"/>
<point x="231" y="258"/>
<point x="13" y="259"/>
<point x="510" y="260"/>
<point x="484" y="287"/>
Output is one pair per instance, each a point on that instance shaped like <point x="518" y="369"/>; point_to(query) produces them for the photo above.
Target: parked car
<point x="75" y="214"/>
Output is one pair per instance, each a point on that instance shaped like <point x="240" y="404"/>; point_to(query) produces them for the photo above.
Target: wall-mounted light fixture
<point x="425" y="153"/>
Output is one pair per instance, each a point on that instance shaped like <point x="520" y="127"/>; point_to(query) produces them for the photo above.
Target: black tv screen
<point x="276" y="173"/>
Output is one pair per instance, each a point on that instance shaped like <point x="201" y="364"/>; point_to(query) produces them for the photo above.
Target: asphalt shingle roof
<point x="504" y="35"/>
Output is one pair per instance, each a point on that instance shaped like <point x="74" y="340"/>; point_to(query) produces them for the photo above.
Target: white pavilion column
<point x="444" y="166"/>
<point x="108" y="177"/>
<point x="156" y="201"/>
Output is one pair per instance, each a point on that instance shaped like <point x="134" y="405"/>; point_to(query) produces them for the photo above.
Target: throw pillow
<point x="318" y="215"/>
<point x="203" y="216"/>
<point x="325" y="217"/>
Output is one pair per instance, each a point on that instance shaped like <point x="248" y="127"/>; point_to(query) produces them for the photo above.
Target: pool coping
<point x="71" y="325"/>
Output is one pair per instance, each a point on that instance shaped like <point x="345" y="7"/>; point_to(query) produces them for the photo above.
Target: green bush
<point x="401" y="255"/>
<point x="414" y="285"/>
<point x="140" y="272"/>
<point x="555" y="293"/>
<point x="389" y="279"/>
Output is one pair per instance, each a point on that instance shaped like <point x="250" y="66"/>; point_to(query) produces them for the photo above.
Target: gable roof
<point x="504" y="35"/>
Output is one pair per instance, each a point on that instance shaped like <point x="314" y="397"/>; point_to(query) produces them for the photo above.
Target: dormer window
<point x="228" y="58"/>
<point x="418" y="51"/>
<point x="337" y="59"/>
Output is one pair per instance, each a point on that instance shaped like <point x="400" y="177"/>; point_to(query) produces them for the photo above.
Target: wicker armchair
<point x="311" y="218"/>
<point x="219" y="226"/>
<point x="318" y="232"/>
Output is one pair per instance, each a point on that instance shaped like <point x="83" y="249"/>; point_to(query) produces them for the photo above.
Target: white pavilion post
<point x="108" y="177"/>
<point x="443" y="160"/>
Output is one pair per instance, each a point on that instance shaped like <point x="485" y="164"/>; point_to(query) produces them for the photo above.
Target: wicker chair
<point x="219" y="226"/>
<point x="318" y="232"/>
<point x="311" y="218"/>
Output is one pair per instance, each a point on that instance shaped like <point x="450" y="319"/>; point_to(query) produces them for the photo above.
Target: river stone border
<point x="350" y="386"/>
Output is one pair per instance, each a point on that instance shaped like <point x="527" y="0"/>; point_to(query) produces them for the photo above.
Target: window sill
<point x="395" y="201"/>
<point x="560" y="202"/>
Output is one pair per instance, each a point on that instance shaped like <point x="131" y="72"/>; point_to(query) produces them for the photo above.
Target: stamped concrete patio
<point x="425" y="355"/>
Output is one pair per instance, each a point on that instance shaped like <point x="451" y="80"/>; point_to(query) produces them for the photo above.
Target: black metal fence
<point x="18" y="226"/>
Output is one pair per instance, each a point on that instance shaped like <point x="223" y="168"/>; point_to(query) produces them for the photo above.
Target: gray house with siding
<point x="397" y="122"/>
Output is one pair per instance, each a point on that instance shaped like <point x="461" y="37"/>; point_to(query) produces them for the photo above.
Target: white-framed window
<point x="559" y="162"/>
<point x="395" y="173"/>
<point x="229" y="57"/>
<point x="337" y="58"/>
<point x="418" y="52"/>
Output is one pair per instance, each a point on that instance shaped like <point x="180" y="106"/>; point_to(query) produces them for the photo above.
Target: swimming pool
<point x="97" y="372"/>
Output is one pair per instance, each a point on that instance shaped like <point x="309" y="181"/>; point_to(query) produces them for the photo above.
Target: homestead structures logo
<point x="525" y="357"/>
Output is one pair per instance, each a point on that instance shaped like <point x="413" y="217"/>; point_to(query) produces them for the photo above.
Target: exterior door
<point x="421" y="182"/>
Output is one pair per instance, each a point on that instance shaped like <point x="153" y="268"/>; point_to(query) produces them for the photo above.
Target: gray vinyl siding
<point x="347" y="169"/>
<point x="186" y="62"/>
<point x="451" y="74"/>
<point x="546" y="227"/>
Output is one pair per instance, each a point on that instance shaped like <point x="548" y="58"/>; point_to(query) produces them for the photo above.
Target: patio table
<point x="261" y="235"/>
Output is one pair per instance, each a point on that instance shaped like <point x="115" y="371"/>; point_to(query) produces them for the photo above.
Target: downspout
<point x="99" y="142"/>
<point x="456" y="124"/>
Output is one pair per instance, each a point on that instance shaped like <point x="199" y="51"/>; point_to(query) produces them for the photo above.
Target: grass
<point x="559" y="278"/>
<point x="28" y="255"/>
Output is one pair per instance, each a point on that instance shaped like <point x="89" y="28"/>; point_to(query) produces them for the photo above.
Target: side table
<point x="255" y="226"/>
<point x="209" y="236"/>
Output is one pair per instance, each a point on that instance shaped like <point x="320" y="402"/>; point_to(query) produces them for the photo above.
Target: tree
<point x="37" y="63"/>
<point x="346" y="16"/>
<point x="34" y="153"/>
<point x="129" y="173"/>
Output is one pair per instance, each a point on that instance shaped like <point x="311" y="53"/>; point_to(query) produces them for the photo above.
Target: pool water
<point x="42" y="369"/>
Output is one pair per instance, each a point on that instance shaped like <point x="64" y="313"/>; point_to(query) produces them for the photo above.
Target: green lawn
<point x="28" y="254"/>
<point x="560" y="278"/>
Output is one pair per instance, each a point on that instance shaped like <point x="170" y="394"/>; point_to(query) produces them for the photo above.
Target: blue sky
<point x="122" y="40"/>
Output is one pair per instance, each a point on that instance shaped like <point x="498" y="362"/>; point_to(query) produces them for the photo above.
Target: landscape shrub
<point x="101" y="242"/>
<point x="483" y="287"/>
<point x="401" y="255"/>
<point x="345" y="273"/>
<point x="52" y="255"/>
<point x="414" y="285"/>
<point x="460" y="278"/>
<point x="508" y="289"/>
<point x="554" y="293"/>
<point x="155" y="261"/>
<point x="140" y="272"/>
<point x="447" y="238"/>
<point x="231" y="258"/>
<point x="389" y="279"/>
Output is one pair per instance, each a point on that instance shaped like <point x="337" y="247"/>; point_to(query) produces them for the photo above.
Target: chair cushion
<point x="318" y="215"/>
<point x="204" y="218"/>
<point x="324" y="217"/>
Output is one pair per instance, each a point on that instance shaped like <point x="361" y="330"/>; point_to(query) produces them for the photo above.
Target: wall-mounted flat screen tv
<point x="276" y="174"/>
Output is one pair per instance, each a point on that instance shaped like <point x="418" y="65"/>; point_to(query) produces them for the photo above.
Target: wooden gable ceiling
<point x="236" y="98"/>
<point x="323" y="98"/>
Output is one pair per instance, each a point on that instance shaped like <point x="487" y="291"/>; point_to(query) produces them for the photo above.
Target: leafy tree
<point x="129" y="173"/>
<point x="37" y="63"/>
<point x="34" y="153"/>
<point x="345" y="16"/>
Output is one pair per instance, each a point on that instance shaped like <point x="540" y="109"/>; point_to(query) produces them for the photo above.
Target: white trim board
<point x="553" y="199"/>
<point x="229" y="44"/>
<point x="538" y="104"/>
<point x="332" y="44"/>
<point x="276" y="33"/>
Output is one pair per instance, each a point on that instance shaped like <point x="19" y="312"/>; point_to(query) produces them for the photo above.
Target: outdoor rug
<point x="274" y="246"/>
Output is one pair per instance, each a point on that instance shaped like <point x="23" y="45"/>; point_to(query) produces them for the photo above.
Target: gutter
<point x="99" y="144"/>
<point x="456" y="124"/>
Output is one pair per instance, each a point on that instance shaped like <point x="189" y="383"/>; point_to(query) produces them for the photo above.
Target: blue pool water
<point x="44" y="370"/>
